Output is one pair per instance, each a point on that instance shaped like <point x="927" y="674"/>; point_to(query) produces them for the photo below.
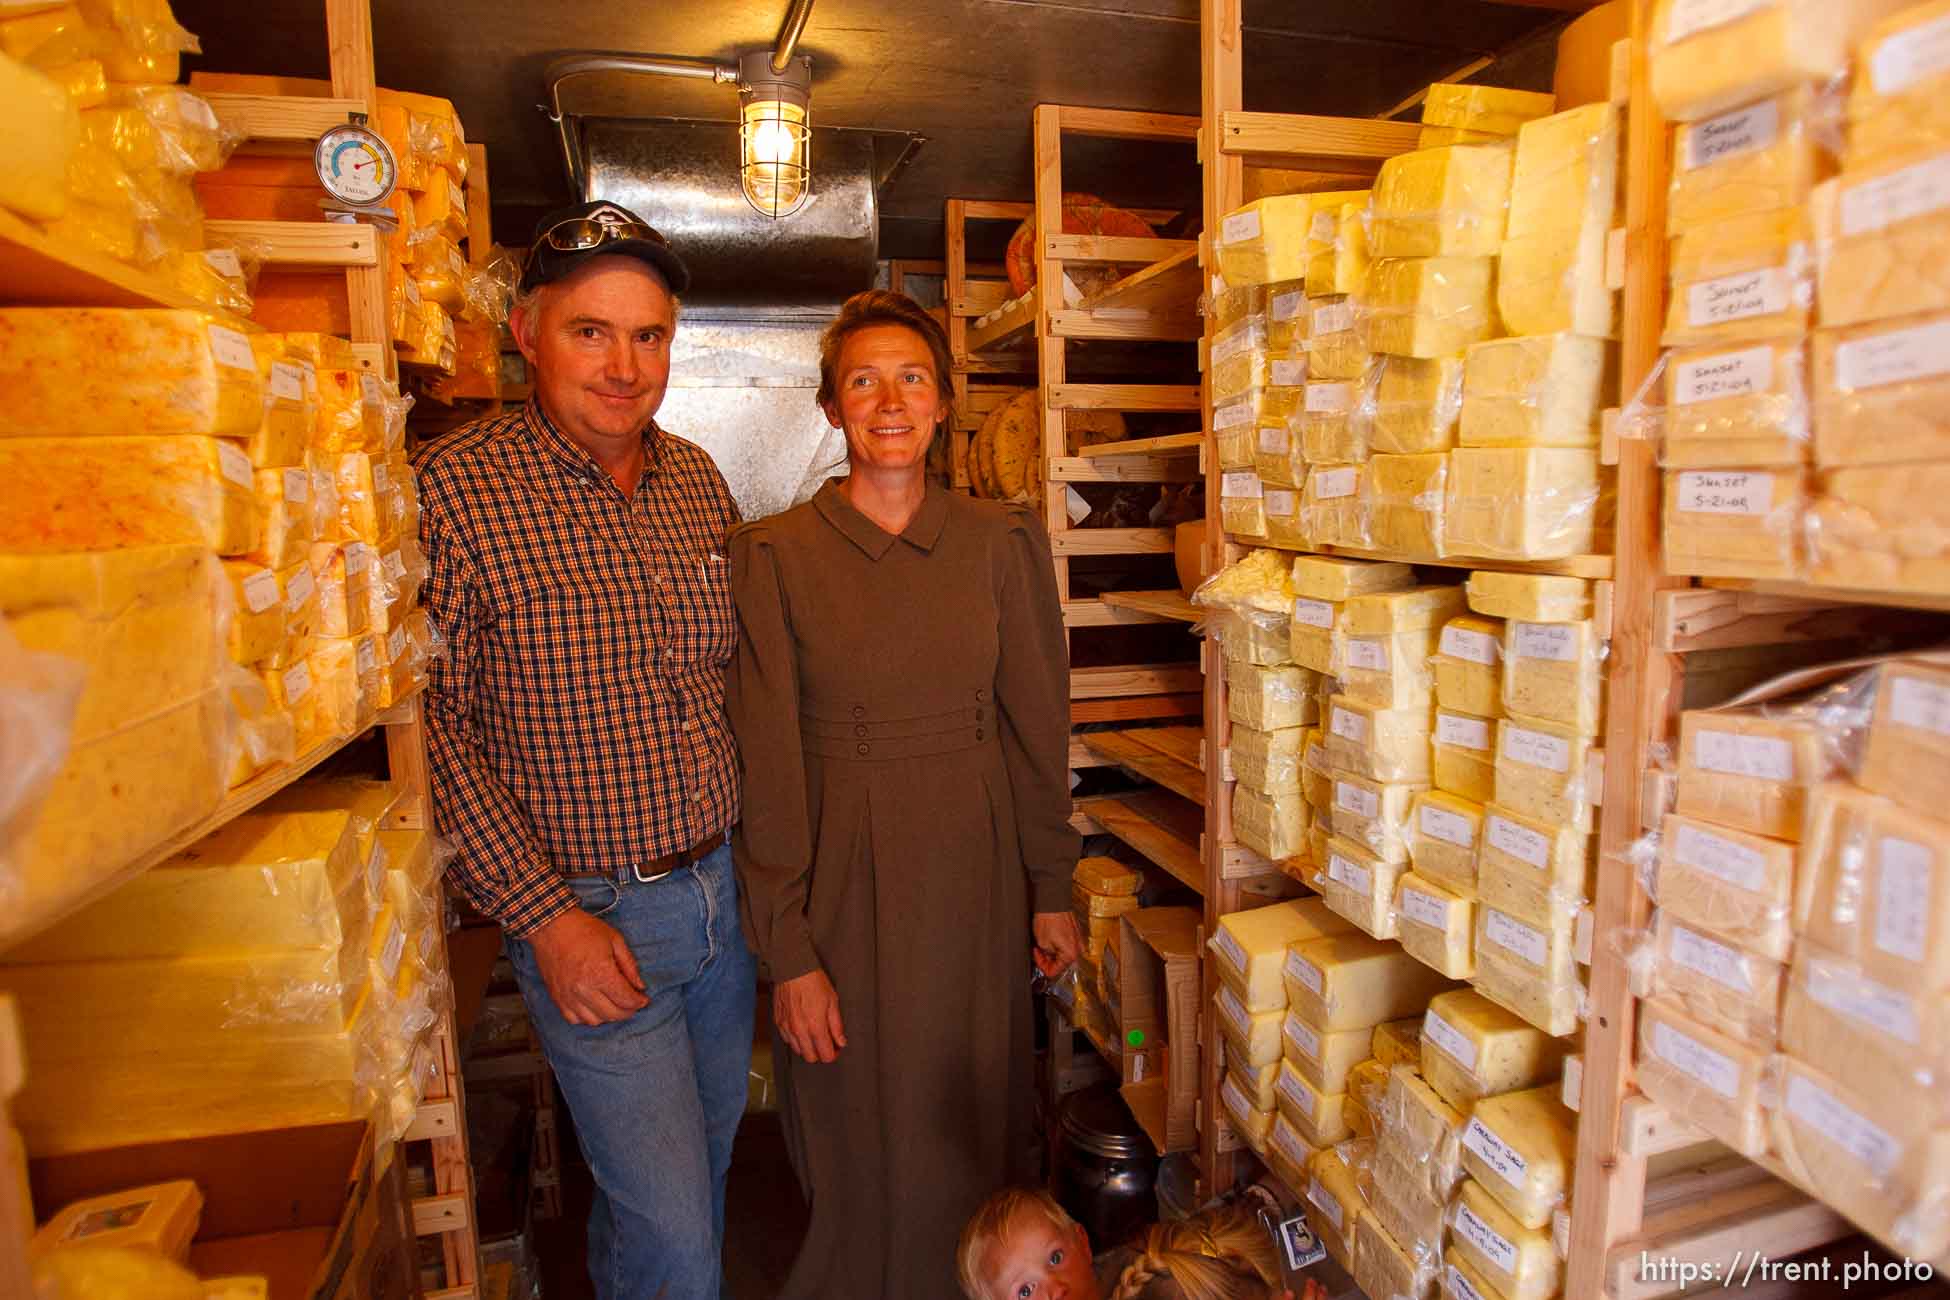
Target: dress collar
<point x="922" y="532"/>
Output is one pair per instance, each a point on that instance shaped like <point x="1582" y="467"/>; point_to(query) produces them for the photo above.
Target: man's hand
<point x="807" y="1011"/>
<point x="1058" y="943"/>
<point x="589" y="969"/>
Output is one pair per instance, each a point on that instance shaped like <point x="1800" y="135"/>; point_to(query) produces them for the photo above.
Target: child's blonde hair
<point x="1221" y="1254"/>
<point x="988" y="1224"/>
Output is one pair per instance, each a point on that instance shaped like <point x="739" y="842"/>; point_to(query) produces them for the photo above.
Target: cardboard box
<point x="1158" y="976"/>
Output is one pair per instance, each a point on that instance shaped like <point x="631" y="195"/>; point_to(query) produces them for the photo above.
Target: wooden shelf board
<point x="327" y="244"/>
<point x="1018" y="317"/>
<point x="281" y="117"/>
<point x="1689" y="619"/>
<point x="1158" y="824"/>
<point x="37" y="270"/>
<point x="1124" y="469"/>
<point x="1124" y="397"/>
<point x="1168" y="287"/>
<point x="1164" y="604"/>
<point x="1843" y="595"/>
<point x="1283" y="139"/>
<point x="1575" y="566"/>
<point x="1129" y="325"/>
<point x="1112" y="541"/>
<point x="1172" y="444"/>
<point x="1136" y="679"/>
<point x="1155" y="753"/>
<point x="1098" y="612"/>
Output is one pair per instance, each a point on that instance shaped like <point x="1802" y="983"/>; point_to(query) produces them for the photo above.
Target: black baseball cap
<point x="567" y="237"/>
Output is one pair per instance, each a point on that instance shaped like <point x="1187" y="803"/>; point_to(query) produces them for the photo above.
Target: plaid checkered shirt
<point x="576" y="723"/>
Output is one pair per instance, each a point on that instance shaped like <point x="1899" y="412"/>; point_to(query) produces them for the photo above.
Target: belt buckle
<point x="636" y="870"/>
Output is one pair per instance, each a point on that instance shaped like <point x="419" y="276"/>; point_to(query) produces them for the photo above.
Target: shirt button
<point x="859" y="710"/>
<point x="862" y="748"/>
<point x="697" y="797"/>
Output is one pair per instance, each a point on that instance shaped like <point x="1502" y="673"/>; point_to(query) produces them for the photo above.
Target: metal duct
<point x="682" y="177"/>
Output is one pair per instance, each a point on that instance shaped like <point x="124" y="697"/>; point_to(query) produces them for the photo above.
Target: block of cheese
<point x="1529" y="867"/>
<point x="1283" y="516"/>
<point x="1493" y="109"/>
<point x="1324" y="578"/>
<point x="1522" y="502"/>
<point x="1702" y="1076"/>
<point x="1316" y="778"/>
<point x="1233" y="437"/>
<point x="1444" y="202"/>
<point x="1543" y="391"/>
<point x="1435" y="926"/>
<point x="1266" y="241"/>
<point x="1315" y="1115"/>
<point x="1242" y="503"/>
<point x="257" y="612"/>
<point x="1745" y="404"/>
<point x="1359" y="885"/>
<point x="1333" y="1205"/>
<point x="1554" y="281"/>
<point x="1429" y="306"/>
<point x="1310" y="634"/>
<point x="1735" y="523"/>
<point x="300" y="613"/>
<point x="1541" y="770"/>
<point x="1717" y="983"/>
<point x="1414" y="1218"/>
<point x="1519" y="1148"/>
<point x="1288" y="1153"/>
<point x="1891" y="1044"/>
<point x="1399" y="1042"/>
<point x="1879" y="392"/>
<point x="1887" y="1169"/>
<point x="1529" y="967"/>
<point x="1257" y="1082"/>
<point x="1415" y="404"/>
<point x="1234" y="303"/>
<point x="1430" y="137"/>
<point x="1907" y="756"/>
<point x="1268" y="697"/>
<point x="1444" y="832"/>
<point x="284" y="517"/>
<point x="1744" y="278"/>
<point x="1250" y="947"/>
<point x="42" y="132"/>
<point x="1237" y="358"/>
<point x="1254" y="1034"/>
<point x="442" y="208"/>
<point x="1759" y="156"/>
<point x="1283" y="304"/>
<point x="1352" y="981"/>
<point x="1566" y="173"/>
<point x="1402" y="610"/>
<point x="1880" y="229"/>
<point x="1421" y="1131"/>
<point x="1467" y="677"/>
<point x="1461" y="1280"/>
<point x="1341" y="269"/>
<point x="1367" y="1085"/>
<point x="290" y="691"/>
<point x="159" y="1219"/>
<point x="1273" y="456"/>
<point x="364" y="489"/>
<point x="1271" y="825"/>
<point x="1750" y="772"/>
<point x="344" y="575"/>
<point x="345" y="676"/>
<point x="1387" y="670"/>
<point x="1551" y="671"/>
<point x="412" y="870"/>
<point x="1708" y="57"/>
<point x="1895" y="102"/>
<point x="1374" y="814"/>
<point x="1329" y="428"/>
<point x="1323" y="1057"/>
<point x="1251" y="1124"/>
<point x="1406" y="501"/>
<point x="1337" y="344"/>
<point x="81" y="371"/>
<point x="1738" y="885"/>
<point x="1462" y="753"/>
<point x="1541" y="598"/>
<point x="1380" y="744"/>
<point x="101" y="493"/>
<point x="1472" y="1048"/>
<point x="1518" y="1262"/>
<point x="1882" y="527"/>
<point x="1334" y="505"/>
<point x="1268" y="761"/>
<point x="1383" y="1267"/>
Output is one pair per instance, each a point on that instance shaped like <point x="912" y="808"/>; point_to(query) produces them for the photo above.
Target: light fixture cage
<point x="774" y="134"/>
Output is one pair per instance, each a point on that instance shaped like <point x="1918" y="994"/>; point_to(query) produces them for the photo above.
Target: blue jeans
<point x="657" y="1097"/>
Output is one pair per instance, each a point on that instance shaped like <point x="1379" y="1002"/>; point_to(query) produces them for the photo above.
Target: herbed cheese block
<point x="1890" y="1043"/>
<point x="1255" y="1035"/>
<point x="1380" y="744"/>
<point x="1706" y="59"/>
<point x="1406" y="504"/>
<point x="1283" y="515"/>
<point x="1329" y="427"/>
<point x="1736" y="405"/>
<point x="1337" y="347"/>
<point x="1434" y="926"/>
<point x="1566" y="175"/>
<point x="1895" y="99"/>
<point x="1266" y="240"/>
<point x="1387" y="670"/>
<point x="1744" y="278"/>
<point x="1315" y="1115"/>
<point x="1416" y="404"/>
<point x="1445" y="831"/>
<point x="257" y="612"/>
<point x="1367" y="1086"/>
<point x="1717" y="983"/>
<point x="1702" y="1076"/>
<point x="1242" y="504"/>
<point x="1463" y="755"/>
<point x="1520" y="1147"/>
<point x="1334" y="505"/>
<point x="1250" y="947"/>
<point x="1881" y="527"/>
<point x="1738" y="885"/>
<point x="83" y="371"/>
<point x="1493" y="109"/>
<point x="1553" y="282"/>
<point x="1399" y="1042"/>
<point x="1383" y="1268"/>
<point x="1253" y="1125"/>
<point x="111" y="492"/>
<point x="284" y="517"/>
<point x="1412" y="1217"/>
<point x="1421" y="1131"/>
<point x="1552" y="671"/>
<point x="1271" y="825"/>
<point x="1879" y="392"/>
<point x="1750" y="772"/>
<point x="1544" y="391"/>
<point x="1541" y="598"/>
<point x="1429" y="306"/>
<point x="1374" y="814"/>
<point x="1359" y="885"/>
<point x="1522" y="502"/>
<point x="1541" y="769"/>
<point x="1268" y="761"/>
<point x="1519" y="1262"/>
<point x="1444" y="202"/>
<point x="1529" y="968"/>
<point x="1530" y="868"/>
<point x="1467" y="678"/>
<point x="1907" y="757"/>
<point x="1333" y="1205"/>
<point x="1323" y="1057"/>
<point x="1352" y="981"/>
<point x="1880" y="229"/>
<point x="1741" y="523"/>
<point x="1472" y="1048"/>
<point x="1283" y="304"/>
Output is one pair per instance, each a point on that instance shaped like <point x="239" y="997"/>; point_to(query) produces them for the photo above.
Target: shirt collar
<point x="564" y="448"/>
<point x="922" y="531"/>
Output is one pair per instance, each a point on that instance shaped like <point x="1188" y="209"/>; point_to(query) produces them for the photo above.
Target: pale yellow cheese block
<point x="1737" y="404"/>
<point x="290" y="691"/>
<point x="1895" y="99"/>
<point x="1374" y="814"/>
<point x="1519" y="1147"/>
<point x="1750" y="772"/>
<point x="1326" y="578"/>
<point x="1566" y="173"/>
<point x="1416" y="404"/>
<point x="1744" y="278"/>
<point x="1250" y="947"/>
<point x="1406" y="504"/>
<point x="1387" y="670"/>
<point x="1284" y="305"/>
<point x="1462" y="1281"/>
<point x="345" y="675"/>
<point x="1738" y="523"/>
<point x="1528" y="966"/>
<point x="300" y="600"/>
<point x="1266" y="241"/>
<point x="1404" y="610"/>
<point x="1434" y="926"/>
<point x="1706" y="59"/>
<point x="1337" y="346"/>
<point x="1522" y="502"/>
<point x="284" y="517"/>
<point x="1329" y="429"/>
<point x="1382" y="1267"/>
<point x="1352" y="981"/>
<point x="1359" y="885"/>
<point x="43" y="129"/>
<point x="1754" y="157"/>
<point x="1738" y="885"/>
<point x="344" y="574"/>
<point x="1273" y="457"/>
<point x="1287" y="1153"/>
<point x="1541" y="770"/>
<point x="1880" y="229"/>
<point x="1252" y="1125"/>
<point x="1421" y="1131"/>
<point x="412" y="871"/>
<point x="1268" y="761"/>
<point x="83" y="371"/>
<point x="1271" y="825"/>
<point x="1311" y="639"/>
<point x="1367" y="1086"/>
<point x="257" y="612"/>
<point x="1553" y="672"/>
<point x="1242" y="504"/>
<point x="1256" y="1081"/>
<point x="1430" y="137"/>
<point x="1380" y="744"/>
<point x="109" y="492"/>
<point x="1237" y="358"/>
<point x="1234" y="441"/>
<point x="1283" y="514"/>
<point x="1553" y="282"/>
<point x="1255" y="1035"/>
<point x="1494" y="109"/>
<point x="1333" y="1205"/>
<point x="1882" y="528"/>
<point x="1472" y="1048"/>
<point x="1544" y="391"/>
<point x="1907" y="756"/>
<point x="1341" y="269"/>
<point x="1890" y="1043"/>
<point x="1541" y="598"/>
<point x="1316" y="779"/>
<point x="1531" y="868"/>
<point x="1716" y="982"/>
<point x="1702" y="1076"/>
<point x="1398" y="1042"/>
<point x="1323" y="1057"/>
<point x="1445" y="831"/>
<point x="1467" y="678"/>
<point x="1443" y="202"/>
<point x="1430" y="306"/>
<point x="1879" y="392"/>
<point x="1519" y="1262"/>
<point x="1318" y="1117"/>
<point x="1412" y="1220"/>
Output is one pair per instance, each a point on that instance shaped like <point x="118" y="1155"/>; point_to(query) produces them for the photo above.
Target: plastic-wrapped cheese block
<point x="1237" y="358"/>
<point x="284" y="517"/>
<point x="1407" y="609"/>
<point x="1429" y="306"/>
<point x="1566" y="174"/>
<point x="345" y="675"/>
<point x="1889" y="1043"/>
<point x="1718" y="984"/>
<point x="1399" y="1042"/>
<point x="1329" y="428"/>
<point x="1323" y="1057"/>
<point x="1745" y="278"/>
<point x="1882" y="528"/>
<point x="1333" y="506"/>
<point x="1540" y="770"/>
<point x="257" y="619"/>
<point x="137" y="491"/>
<point x="290" y="691"/>
<point x="1472" y="1048"/>
<point x="1462" y="1281"/>
<point x="398" y="573"/>
<point x="1741" y="523"/>
<point x="1284" y="307"/>
<point x="1463" y="755"/>
<point x="1702" y="1076"/>
<point x="79" y="371"/>
<point x="1288" y="1153"/>
<point x="1757" y="157"/>
<point x="1467" y="678"/>
<point x="41" y="141"/>
<point x="439" y="270"/>
<point x="1271" y="825"/>
<point x="1337" y="349"/>
<point x="1383" y="1268"/>
<point x="1735" y="884"/>
<point x="1707" y="58"/>
<point x="1406" y="501"/>
<point x="1541" y="598"/>
<point x="1750" y="772"/>
<point x="345" y="576"/>
<point x="1374" y="814"/>
<point x="1252" y="1125"/>
<point x="1315" y="1115"/>
<point x="1554" y="281"/>
<point x="1879" y="392"/>
<point x="1907" y="757"/>
<point x="1351" y="981"/>
<point x="1268" y="761"/>
<point x="1380" y="744"/>
<point x="1544" y="391"/>
<point x="1367" y="1085"/>
<point x="1283" y="516"/>
<point x="1415" y="404"/>
<point x="1494" y="109"/>
<point x="1242" y="503"/>
<point x="1387" y="670"/>
<point x="1233" y="436"/>
<point x="341" y="415"/>
<point x="1522" y="502"/>
<point x="1341" y="269"/>
<point x="362" y="487"/>
<point x="1434" y="926"/>
<point x="1233" y="304"/>
<point x="1273" y="457"/>
<point x="281" y="437"/>
<point x="1737" y="405"/>
<point x="1448" y="202"/>
<point x="1333" y="1205"/>
<point x="1270" y="697"/>
<point x="1316" y="778"/>
<point x="1409" y="1213"/>
<point x="1881" y="229"/>
<point x="1529" y="968"/>
<point x="412" y="871"/>
<point x="1250" y="947"/>
<point x="1311" y="636"/>
<point x="1888" y="1169"/>
<point x="159" y="1219"/>
<point x="443" y="208"/>
<point x="1519" y="1148"/>
<point x="1530" y="868"/>
<point x="1895" y="100"/>
<point x="300" y="595"/>
<point x="1551" y="671"/>
<point x="1359" y="885"/>
<point x="1421" y="1131"/>
<point x="1444" y="832"/>
<point x="1255" y="1034"/>
<point x="1266" y="241"/>
<point x="1518" y="1262"/>
<point x="1325" y="578"/>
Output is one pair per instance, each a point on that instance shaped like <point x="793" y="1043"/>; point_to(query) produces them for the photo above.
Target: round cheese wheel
<point x="1083" y="214"/>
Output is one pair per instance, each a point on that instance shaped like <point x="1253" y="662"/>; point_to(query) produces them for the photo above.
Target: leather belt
<point x="644" y="873"/>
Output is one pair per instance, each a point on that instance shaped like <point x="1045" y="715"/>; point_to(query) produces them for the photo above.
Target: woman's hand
<point x="807" y="1011"/>
<point x="1058" y="941"/>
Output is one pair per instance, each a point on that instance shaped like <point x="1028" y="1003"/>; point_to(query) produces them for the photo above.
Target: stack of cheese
<point x="1798" y="968"/>
<point x="1378" y="731"/>
<point x="1253" y="598"/>
<point x="1101" y="891"/>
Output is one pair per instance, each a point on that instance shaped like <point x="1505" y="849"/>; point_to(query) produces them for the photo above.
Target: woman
<point x="901" y="703"/>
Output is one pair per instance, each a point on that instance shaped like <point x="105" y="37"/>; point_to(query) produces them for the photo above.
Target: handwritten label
<point x="1289" y="373"/>
<point x="1348" y="725"/>
<point x="1324" y="1201"/>
<point x="1316" y="758"/>
<point x="1733" y="135"/>
<point x="1461" y="643"/>
<point x="1902" y="195"/>
<point x="1296" y="1092"/>
<point x="1487" y="1240"/>
<point x="224" y="262"/>
<point x="260" y="591"/>
<point x="1452" y="1041"/>
<point x="1231" y="417"/>
<point x="1916" y="55"/>
<point x="1333" y="318"/>
<point x="1352" y="798"/>
<point x="1357" y="878"/>
<point x="1235" y="1099"/>
<point x="235" y="465"/>
<point x="1816" y="1107"/>
<point x="287" y="382"/>
<point x="1519" y="842"/>
<point x="297" y="486"/>
<point x="1282" y="503"/>
<point x="297" y="684"/>
<point x="1304" y="971"/>
<point x="1535" y="748"/>
<point x="1894" y="357"/>
<point x="1322" y="229"/>
<point x="1742" y="296"/>
<point x="366" y="657"/>
<point x="1903" y="898"/>
<point x="358" y="558"/>
<point x="1241" y="484"/>
<point x="1305" y="1041"/>
<point x="1331" y="484"/>
<point x="229" y="348"/>
<point x="1690" y="17"/>
<point x="1923" y="706"/>
<point x="1460" y="1287"/>
<point x="1274" y="439"/>
<point x="1230" y="949"/>
<point x="1449" y="827"/>
<point x="396" y="645"/>
<point x="1368" y="653"/>
<point x="1329" y="399"/>
<point x="1720" y="858"/>
<point x="1865" y="1001"/>
<point x="1461" y="731"/>
<point x="1696" y="1060"/>
<point x="1725" y="494"/>
<point x="298" y="592"/>
<point x="1512" y="935"/>
<point x="1286" y="306"/>
<point x="1240" y="227"/>
<point x="391" y="954"/>
<point x="1499" y="1156"/>
<point x="1717" y="962"/>
<point x="1313" y="613"/>
<point x="1236" y="339"/>
<point x="1235" y="1012"/>
<point x="1730" y="374"/>
<point x="1764" y="758"/>
<point x="1424" y="909"/>
<point x="1558" y="642"/>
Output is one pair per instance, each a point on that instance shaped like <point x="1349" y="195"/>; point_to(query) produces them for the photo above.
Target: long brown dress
<point x="901" y="706"/>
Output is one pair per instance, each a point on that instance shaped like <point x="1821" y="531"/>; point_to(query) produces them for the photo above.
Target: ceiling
<point x="963" y="73"/>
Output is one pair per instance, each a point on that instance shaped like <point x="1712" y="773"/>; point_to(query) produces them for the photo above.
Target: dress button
<point x="980" y="696"/>
<point x="859" y="710"/>
<point x="978" y="733"/>
<point x="860" y="731"/>
<point x="861" y="749"/>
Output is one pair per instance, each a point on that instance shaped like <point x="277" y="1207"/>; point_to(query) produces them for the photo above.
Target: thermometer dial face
<point x="355" y="166"/>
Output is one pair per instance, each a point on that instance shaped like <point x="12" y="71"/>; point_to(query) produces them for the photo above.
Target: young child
<point x="1022" y="1245"/>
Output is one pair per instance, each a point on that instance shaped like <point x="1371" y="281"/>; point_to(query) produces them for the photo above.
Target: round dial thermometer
<point x="355" y="165"/>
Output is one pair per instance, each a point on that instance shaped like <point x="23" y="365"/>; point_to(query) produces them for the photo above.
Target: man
<point x="580" y="756"/>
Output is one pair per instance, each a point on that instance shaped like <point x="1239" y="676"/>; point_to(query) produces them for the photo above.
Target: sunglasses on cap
<point x="581" y="234"/>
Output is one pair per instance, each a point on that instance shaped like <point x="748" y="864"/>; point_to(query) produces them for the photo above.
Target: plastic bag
<point x="38" y="694"/>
